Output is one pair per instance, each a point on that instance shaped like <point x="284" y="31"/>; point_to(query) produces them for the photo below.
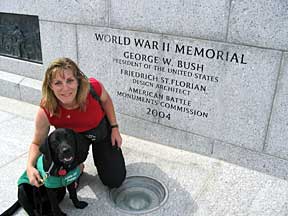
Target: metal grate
<point x="139" y="194"/>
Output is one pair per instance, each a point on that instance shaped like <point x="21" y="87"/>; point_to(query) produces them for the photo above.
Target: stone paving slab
<point x="5" y="116"/>
<point x="10" y="172"/>
<point x="239" y="191"/>
<point x="197" y="185"/>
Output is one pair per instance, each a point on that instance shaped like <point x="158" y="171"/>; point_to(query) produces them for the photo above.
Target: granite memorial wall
<point x="205" y="76"/>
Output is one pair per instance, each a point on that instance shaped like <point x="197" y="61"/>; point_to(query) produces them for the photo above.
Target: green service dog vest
<point x="51" y="181"/>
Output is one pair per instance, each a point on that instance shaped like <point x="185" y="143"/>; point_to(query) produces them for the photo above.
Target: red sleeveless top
<point x="77" y="120"/>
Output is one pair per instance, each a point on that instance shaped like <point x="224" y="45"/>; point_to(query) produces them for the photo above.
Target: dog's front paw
<point x="80" y="204"/>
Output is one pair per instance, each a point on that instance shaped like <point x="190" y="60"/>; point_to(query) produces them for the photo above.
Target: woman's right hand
<point x="34" y="176"/>
<point x="42" y="127"/>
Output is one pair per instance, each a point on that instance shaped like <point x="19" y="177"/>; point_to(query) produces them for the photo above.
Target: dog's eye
<point x="57" y="139"/>
<point x="68" y="136"/>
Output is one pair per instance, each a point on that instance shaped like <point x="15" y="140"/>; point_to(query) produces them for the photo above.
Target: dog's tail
<point x="12" y="209"/>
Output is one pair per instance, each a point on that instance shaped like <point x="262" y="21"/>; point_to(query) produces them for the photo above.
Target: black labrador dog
<point x="62" y="152"/>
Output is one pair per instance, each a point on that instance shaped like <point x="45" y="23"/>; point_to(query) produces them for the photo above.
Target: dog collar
<point x="61" y="171"/>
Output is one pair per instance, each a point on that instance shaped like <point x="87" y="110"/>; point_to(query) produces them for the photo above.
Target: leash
<point x="47" y="174"/>
<point x="61" y="171"/>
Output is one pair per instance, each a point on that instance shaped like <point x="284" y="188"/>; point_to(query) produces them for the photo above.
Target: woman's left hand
<point x="116" y="137"/>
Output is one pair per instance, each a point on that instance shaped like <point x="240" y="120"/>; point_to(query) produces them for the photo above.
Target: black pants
<point x="108" y="159"/>
<point x="109" y="162"/>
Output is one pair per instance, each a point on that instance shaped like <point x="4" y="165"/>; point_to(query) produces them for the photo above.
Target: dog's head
<point x="60" y="146"/>
<point x="64" y="147"/>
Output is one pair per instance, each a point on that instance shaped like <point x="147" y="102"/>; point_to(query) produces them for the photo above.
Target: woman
<point x="68" y="103"/>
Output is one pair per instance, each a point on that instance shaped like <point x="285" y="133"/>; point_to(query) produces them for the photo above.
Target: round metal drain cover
<point x="139" y="194"/>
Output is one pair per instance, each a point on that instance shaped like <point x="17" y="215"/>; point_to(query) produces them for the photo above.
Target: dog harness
<point x="52" y="181"/>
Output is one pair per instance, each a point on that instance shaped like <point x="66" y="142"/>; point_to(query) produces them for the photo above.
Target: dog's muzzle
<point x="66" y="155"/>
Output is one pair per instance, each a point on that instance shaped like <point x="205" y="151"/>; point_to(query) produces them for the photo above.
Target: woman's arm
<point x="108" y="107"/>
<point x="42" y="127"/>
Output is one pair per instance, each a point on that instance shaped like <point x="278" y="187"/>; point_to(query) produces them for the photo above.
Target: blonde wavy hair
<point x="49" y="100"/>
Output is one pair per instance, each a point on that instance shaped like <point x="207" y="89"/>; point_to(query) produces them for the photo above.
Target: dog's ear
<point x="45" y="150"/>
<point x="82" y="147"/>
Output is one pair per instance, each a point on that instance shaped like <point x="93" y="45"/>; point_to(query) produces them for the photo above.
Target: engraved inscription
<point x="168" y="78"/>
